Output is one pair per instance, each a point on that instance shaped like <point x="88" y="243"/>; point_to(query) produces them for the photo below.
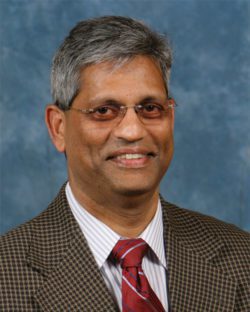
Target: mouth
<point x="131" y="159"/>
<point x="134" y="156"/>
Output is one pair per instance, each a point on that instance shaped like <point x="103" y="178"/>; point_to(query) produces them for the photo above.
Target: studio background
<point x="210" y="171"/>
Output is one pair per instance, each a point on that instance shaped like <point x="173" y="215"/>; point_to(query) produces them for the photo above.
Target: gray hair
<point x="109" y="38"/>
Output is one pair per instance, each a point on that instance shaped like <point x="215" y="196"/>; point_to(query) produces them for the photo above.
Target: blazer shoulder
<point x="16" y="240"/>
<point x="20" y="237"/>
<point x="231" y="235"/>
<point x="226" y="231"/>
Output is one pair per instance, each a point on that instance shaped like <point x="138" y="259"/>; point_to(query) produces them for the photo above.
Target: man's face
<point x="129" y="158"/>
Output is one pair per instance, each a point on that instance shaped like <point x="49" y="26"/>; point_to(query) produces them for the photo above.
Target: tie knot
<point x="129" y="252"/>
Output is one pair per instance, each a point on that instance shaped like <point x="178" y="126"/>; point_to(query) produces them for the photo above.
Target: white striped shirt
<point x="102" y="239"/>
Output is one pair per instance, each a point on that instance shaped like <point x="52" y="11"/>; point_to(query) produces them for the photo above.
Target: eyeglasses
<point x="112" y="113"/>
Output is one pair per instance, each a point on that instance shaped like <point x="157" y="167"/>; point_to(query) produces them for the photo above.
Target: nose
<point x="130" y="128"/>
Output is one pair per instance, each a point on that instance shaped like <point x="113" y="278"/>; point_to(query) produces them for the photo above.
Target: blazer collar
<point x="193" y="251"/>
<point x="60" y="253"/>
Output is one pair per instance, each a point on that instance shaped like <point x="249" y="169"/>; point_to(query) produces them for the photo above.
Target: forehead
<point x="139" y="73"/>
<point x="123" y="65"/>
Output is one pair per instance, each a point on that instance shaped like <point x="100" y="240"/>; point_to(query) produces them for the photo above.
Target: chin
<point x="136" y="190"/>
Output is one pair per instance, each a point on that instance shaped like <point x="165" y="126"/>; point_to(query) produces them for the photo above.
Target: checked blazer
<point x="46" y="264"/>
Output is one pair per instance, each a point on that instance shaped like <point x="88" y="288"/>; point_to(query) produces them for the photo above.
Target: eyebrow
<point x="150" y="99"/>
<point x="110" y="101"/>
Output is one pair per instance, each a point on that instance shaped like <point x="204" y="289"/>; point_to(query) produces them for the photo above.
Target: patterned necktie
<point x="137" y="295"/>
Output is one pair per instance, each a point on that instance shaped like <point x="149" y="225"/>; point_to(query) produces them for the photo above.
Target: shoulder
<point x="223" y="245"/>
<point x="15" y="275"/>
<point x="191" y="223"/>
<point x="29" y="251"/>
<point x="215" y="245"/>
<point x="15" y="272"/>
<point x="16" y="241"/>
<point x="19" y="238"/>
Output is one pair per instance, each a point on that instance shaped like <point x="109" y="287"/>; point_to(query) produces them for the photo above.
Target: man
<point x="108" y="242"/>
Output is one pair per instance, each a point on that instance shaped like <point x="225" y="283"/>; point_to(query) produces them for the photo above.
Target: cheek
<point x="163" y="136"/>
<point x="91" y="141"/>
<point x="166" y="146"/>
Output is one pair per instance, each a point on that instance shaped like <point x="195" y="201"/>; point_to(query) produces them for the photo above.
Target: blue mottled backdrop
<point x="210" y="81"/>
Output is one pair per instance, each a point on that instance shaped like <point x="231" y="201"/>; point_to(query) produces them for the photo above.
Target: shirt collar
<point x="102" y="239"/>
<point x="153" y="235"/>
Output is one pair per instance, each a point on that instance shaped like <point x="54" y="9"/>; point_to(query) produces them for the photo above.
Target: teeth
<point x="131" y="156"/>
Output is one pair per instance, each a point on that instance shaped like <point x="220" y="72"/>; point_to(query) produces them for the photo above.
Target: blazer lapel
<point x="192" y="251"/>
<point x="60" y="253"/>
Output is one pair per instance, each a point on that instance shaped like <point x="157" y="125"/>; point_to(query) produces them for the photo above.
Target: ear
<point x="172" y="113"/>
<point x="55" y="121"/>
<point x="172" y="118"/>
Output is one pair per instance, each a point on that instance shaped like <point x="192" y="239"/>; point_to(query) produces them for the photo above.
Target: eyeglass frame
<point x="122" y="109"/>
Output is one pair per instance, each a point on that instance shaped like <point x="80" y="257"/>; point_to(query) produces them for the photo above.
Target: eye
<point x="105" y="112"/>
<point x="152" y="107"/>
<point x="151" y="110"/>
<point x="102" y="110"/>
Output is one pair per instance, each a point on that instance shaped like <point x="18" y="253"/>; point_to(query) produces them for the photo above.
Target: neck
<point x="126" y="215"/>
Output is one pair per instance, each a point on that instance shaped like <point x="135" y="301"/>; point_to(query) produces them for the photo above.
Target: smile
<point x="131" y="156"/>
<point x="132" y="159"/>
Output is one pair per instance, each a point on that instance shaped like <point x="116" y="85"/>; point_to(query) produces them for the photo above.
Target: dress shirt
<point x="102" y="239"/>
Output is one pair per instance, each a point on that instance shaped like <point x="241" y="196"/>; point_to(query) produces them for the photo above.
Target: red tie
<point x="137" y="295"/>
